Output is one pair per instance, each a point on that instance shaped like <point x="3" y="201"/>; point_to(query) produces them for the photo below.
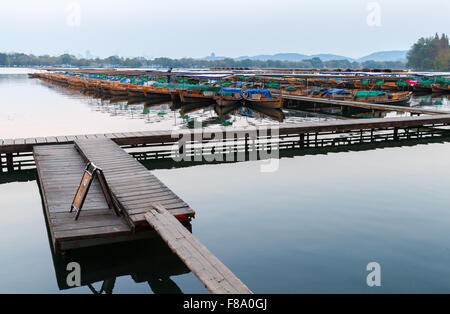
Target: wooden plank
<point x="216" y="277"/>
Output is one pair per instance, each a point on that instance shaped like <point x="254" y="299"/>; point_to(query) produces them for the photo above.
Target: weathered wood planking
<point x="216" y="277"/>
<point x="145" y="199"/>
<point x="154" y="137"/>
<point x="60" y="168"/>
<point x="364" y="105"/>
<point x="133" y="186"/>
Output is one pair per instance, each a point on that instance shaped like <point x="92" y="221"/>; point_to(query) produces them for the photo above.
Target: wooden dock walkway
<point x="216" y="277"/>
<point x="59" y="171"/>
<point x="364" y="105"/>
<point x="16" y="154"/>
<point x="147" y="206"/>
<point x="23" y="145"/>
<point x="134" y="187"/>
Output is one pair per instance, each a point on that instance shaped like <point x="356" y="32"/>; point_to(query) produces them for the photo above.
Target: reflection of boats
<point x="156" y="102"/>
<point x="136" y="100"/>
<point x="222" y="111"/>
<point x="191" y="107"/>
<point x="262" y="98"/>
<point x="148" y="261"/>
<point x="274" y="113"/>
<point x="116" y="99"/>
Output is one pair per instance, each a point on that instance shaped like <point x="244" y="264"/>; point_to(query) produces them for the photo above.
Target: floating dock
<point x="148" y="207"/>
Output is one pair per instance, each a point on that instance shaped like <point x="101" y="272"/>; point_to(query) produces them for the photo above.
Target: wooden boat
<point x="105" y="88"/>
<point x="359" y="84"/>
<point x="262" y="98"/>
<point x="419" y="87"/>
<point x="390" y="86"/>
<point x="196" y="96"/>
<point x="436" y="88"/>
<point x="229" y="97"/>
<point x="135" y="91"/>
<point x="119" y="89"/>
<point x="150" y="91"/>
<point x="398" y="98"/>
<point x="228" y="101"/>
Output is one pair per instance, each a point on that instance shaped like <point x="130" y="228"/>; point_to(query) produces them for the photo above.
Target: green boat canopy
<point x="367" y="94"/>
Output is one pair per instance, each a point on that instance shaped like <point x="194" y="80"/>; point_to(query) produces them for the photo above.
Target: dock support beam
<point x="302" y="140"/>
<point x="9" y="162"/>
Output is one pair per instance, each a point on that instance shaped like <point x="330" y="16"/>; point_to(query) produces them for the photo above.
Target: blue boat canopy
<point x="335" y="91"/>
<point x="263" y="92"/>
<point x="229" y="90"/>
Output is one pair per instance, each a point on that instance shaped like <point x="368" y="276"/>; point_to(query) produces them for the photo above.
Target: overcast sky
<point x="195" y="28"/>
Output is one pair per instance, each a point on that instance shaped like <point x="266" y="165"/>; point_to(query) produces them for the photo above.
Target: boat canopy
<point x="274" y="85"/>
<point x="335" y="91"/>
<point x="263" y="92"/>
<point x="425" y="83"/>
<point x="367" y="94"/>
<point x="229" y="91"/>
<point x="188" y="87"/>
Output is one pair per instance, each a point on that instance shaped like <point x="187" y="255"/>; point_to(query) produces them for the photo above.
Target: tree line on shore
<point x="432" y="53"/>
<point x="428" y="54"/>
<point x="67" y="60"/>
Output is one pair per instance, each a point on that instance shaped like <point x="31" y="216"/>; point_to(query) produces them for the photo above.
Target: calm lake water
<point x="311" y="226"/>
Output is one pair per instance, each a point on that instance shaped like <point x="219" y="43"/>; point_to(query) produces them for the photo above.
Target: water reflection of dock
<point x="145" y="261"/>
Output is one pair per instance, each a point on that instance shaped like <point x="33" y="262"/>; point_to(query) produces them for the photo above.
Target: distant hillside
<point x="395" y="55"/>
<point x="329" y="57"/>
<point x="276" y="57"/>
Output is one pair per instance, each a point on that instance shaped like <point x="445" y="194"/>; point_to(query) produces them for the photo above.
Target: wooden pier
<point x="364" y="105"/>
<point x="148" y="207"/>
<point x="17" y="154"/>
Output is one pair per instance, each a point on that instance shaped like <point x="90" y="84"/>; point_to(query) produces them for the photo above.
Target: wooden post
<point x="395" y="133"/>
<point x="246" y="143"/>
<point x="9" y="162"/>
<point x="302" y="140"/>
